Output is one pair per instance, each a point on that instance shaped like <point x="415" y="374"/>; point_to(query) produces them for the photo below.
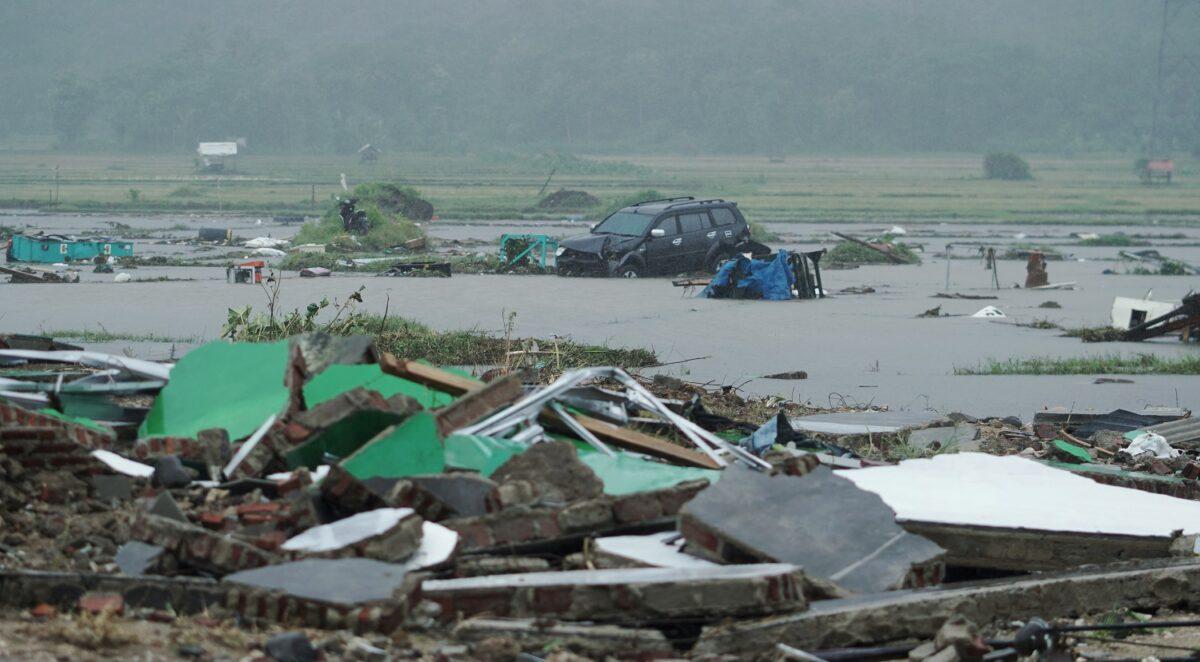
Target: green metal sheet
<point x="1070" y="452"/>
<point x="235" y="386"/>
<point x="337" y="379"/>
<point x="342" y="439"/>
<point x="481" y="454"/>
<point x="623" y="474"/>
<point x="409" y="449"/>
<point x="627" y="474"/>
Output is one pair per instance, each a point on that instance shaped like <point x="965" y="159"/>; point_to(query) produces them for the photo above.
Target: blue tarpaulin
<point x="744" y="278"/>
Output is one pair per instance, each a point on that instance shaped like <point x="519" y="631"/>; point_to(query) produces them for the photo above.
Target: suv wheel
<point x="629" y="271"/>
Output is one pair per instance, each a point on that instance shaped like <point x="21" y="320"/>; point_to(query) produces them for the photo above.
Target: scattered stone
<point x="170" y="473"/>
<point x="291" y="647"/>
<point x="112" y="487"/>
<point x="555" y="470"/>
<point x="43" y="612"/>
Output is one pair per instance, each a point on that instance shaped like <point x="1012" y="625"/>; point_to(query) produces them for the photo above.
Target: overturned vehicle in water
<point x="658" y="237"/>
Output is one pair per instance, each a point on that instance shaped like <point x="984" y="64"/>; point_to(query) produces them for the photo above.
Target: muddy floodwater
<point x="855" y="348"/>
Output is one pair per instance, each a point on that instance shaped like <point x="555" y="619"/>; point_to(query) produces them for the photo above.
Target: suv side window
<point x="693" y="222"/>
<point x="723" y="216"/>
<point x="668" y="225"/>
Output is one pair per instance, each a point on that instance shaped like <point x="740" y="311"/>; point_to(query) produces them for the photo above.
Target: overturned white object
<point x="268" y="252"/>
<point x="123" y="465"/>
<point x="658" y="550"/>
<point x="1129" y="312"/>
<point x="265" y="242"/>
<point x="122" y="278"/>
<point x="897" y="230"/>
<point x="976" y="489"/>
<point x="1152" y="444"/>
<point x="989" y="311"/>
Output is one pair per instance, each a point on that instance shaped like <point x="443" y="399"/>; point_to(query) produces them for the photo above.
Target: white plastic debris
<point x="317" y="474"/>
<point x="1150" y="443"/>
<point x="123" y="465"/>
<point x="265" y="242"/>
<point x="345" y="532"/>
<point x="122" y="278"/>
<point x="989" y="311"/>
<point x="268" y="252"/>
<point x="897" y="230"/>
<point x="976" y="489"/>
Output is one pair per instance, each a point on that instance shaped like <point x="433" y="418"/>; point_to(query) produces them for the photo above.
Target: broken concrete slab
<point x="918" y="614"/>
<point x="137" y="558"/>
<point x="463" y="494"/>
<point x="656" y="550"/>
<point x="112" y="488"/>
<point x="597" y="641"/>
<point x="165" y="506"/>
<point x="196" y="547"/>
<point x="819" y="521"/>
<point x="386" y="534"/>
<point x="956" y="507"/>
<point x="626" y="594"/>
<point x="345" y="582"/>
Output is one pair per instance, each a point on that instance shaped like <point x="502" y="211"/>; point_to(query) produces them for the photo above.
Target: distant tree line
<point x="605" y="75"/>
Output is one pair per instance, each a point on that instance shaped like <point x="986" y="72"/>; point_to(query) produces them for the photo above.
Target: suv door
<point x="663" y="253"/>
<point x="698" y="234"/>
<point x="727" y="225"/>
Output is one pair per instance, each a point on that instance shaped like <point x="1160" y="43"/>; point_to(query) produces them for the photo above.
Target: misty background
<point x="314" y="76"/>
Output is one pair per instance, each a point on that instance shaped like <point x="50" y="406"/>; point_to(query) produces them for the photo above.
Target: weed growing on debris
<point x="848" y="252"/>
<point x="1111" y="364"/>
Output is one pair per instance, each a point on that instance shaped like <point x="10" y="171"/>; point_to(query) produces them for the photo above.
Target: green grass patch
<point x="103" y="335"/>
<point x="1108" y="364"/>
<point x="1117" y="239"/>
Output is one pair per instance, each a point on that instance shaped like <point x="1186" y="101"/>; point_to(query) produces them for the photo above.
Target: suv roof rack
<point x="646" y="202"/>
<point x="693" y="201"/>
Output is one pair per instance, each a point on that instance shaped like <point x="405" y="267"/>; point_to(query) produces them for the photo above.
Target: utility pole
<point x="1162" y="47"/>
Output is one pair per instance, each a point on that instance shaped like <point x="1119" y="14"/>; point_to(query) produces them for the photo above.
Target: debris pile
<point x="321" y="484"/>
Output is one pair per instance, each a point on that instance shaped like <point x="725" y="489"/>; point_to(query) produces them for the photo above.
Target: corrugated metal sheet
<point x="1181" y="432"/>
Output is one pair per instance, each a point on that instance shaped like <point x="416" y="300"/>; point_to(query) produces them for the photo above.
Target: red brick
<point x="43" y="612"/>
<point x="637" y="508"/>
<point x="96" y="603"/>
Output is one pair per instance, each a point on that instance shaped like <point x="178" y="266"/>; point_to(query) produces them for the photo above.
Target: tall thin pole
<point x="1162" y="45"/>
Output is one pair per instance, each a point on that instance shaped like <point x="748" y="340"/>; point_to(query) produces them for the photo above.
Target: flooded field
<point x="856" y="348"/>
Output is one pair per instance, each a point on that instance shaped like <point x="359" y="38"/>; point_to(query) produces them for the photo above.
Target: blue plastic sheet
<point x="745" y="278"/>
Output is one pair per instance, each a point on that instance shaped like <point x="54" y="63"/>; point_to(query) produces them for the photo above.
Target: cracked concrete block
<point x="555" y="471"/>
<point x="386" y="534"/>
<point x="820" y="522"/>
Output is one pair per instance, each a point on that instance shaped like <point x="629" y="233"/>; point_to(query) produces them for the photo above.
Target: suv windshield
<point x="627" y="223"/>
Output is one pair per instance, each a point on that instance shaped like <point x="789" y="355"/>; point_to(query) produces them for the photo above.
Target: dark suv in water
<point x="656" y="237"/>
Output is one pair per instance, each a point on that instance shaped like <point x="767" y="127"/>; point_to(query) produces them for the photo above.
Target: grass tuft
<point x="1107" y="364"/>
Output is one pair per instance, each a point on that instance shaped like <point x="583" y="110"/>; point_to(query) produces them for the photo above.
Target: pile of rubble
<point x="321" y="486"/>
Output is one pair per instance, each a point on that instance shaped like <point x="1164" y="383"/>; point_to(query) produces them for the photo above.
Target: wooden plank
<point x="635" y="441"/>
<point x="474" y="405"/>
<point x="620" y="437"/>
<point x="434" y="377"/>
<point x="888" y="254"/>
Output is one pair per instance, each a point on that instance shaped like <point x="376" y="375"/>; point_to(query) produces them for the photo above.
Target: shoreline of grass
<point x="103" y="335"/>
<point x="1107" y="364"/>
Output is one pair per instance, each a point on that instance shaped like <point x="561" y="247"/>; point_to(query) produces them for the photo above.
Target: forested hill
<point x="600" y="75"/>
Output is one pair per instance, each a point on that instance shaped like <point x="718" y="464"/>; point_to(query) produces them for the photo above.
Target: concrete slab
<point x="387" y="534"/>
<point x="625" y="594"/>
<point x="819" y="521"/>
<point x="864" y="422"/>
<point x="337" y="581"/>
<point x="656" y="550"/>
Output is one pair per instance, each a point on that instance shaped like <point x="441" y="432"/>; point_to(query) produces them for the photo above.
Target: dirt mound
<point x="564" y="199"/>
<point x="393" y="199"/>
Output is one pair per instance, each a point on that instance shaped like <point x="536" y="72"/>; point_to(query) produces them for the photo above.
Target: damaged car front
<point x="610" y="249"/>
